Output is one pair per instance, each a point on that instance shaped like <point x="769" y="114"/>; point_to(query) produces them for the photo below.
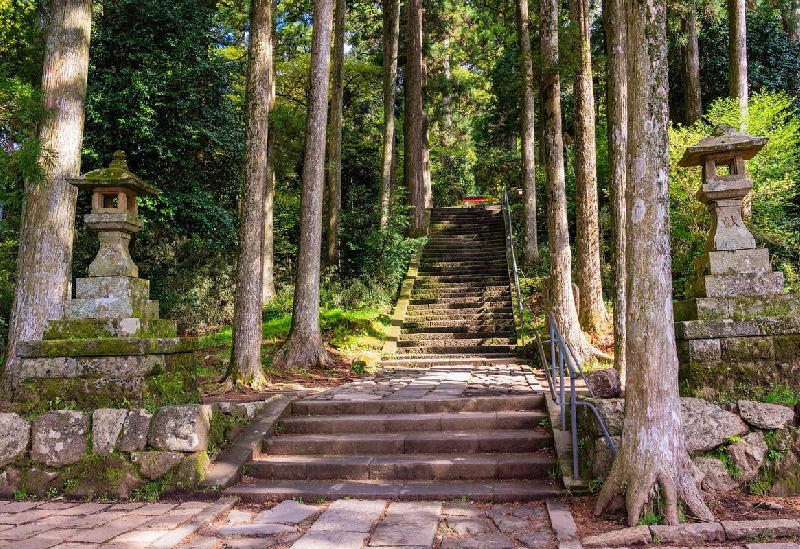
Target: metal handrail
<point x="562" y="357"/>
<point x="511" y="259"/>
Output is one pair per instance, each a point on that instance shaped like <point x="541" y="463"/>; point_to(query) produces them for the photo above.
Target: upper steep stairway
<point x="461" y="303"/>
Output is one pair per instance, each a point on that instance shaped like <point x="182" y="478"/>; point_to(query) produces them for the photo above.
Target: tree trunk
<point x="335" y="137"/>
<point x="592" y="312"/>
<point x="245" y="366"/>
<point x="44" y="264"/>
<point x="617" y="109"/>
<point x="530" y="244"/>
<point x="791" y="18"/>
<point x="268" y="252"/>
<point x="737" y="35"/>
<point x="561" y="298"/>
<point x="691" y="78"/>
<point x="447" y="96"/>
<point x="391" y="34"/>
<point x="652" y="453"/>
<point x="416" y="157"/>
<point x="304" y="346"/>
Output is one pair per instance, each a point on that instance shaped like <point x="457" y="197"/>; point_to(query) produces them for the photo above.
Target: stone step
<point x="421" y="422"/>
<point x="458" y="336"/>
<point x="426" y="361"/>
<point x="373" y="444"/>
<point x="490" y="280"/>
<point x="477" y="265"/>
<point x="461" y="293"/>
<point x="456" y="340"/>
<point x="460" y="351"/>
<point x="418" y="406"/>
<point x="460" y="302"/>
<point x="447" y="326"/>
<point x="497" y="492"/>
<point x="402" y="467"/>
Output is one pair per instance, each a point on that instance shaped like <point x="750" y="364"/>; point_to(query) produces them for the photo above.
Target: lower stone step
<point x="400" y="467"/>
<point x="428" y="361"/>
<point x="533" y="401"/>
<point x="310" y="491"/>
<point x="475" y="442"/>
<point x="414" y="423"/>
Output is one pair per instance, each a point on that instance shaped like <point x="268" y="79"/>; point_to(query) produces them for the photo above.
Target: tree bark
<point x="245" y="366"/>
<point x="268" y="252"/>
<point x="530" y="244"/>
<point x="44" y="264"/>
<point x="737" y="35"/>
<point x="791" y="18"/>
<point x="335" y="137"/>
<point x="691" y="78"/>
<point x="416" y="157"/>
<point x="592" y="312"/>
<point x="561" y="298"/>
<point x="617" y="109"/>
<point x="653" y="453"/>
<point x="304" y="346"/>
<point x="391" y="34"/>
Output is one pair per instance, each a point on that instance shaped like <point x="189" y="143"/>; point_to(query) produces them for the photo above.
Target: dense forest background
<point x="166" y="85"/>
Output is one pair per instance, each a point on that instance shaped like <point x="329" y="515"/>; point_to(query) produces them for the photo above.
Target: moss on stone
<point x="109" y="346"/>
<point x="96" y="476"/>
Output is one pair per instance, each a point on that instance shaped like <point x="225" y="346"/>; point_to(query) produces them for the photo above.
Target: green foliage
<point x="784" y="394"/>
<point x="649" y="518"/>
<point x="775" y="172"/>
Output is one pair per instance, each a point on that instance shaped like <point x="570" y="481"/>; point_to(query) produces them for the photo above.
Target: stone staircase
<point x="438" y="446"/>
<point x="460" y="306"/>
<point x="455" y="413"/>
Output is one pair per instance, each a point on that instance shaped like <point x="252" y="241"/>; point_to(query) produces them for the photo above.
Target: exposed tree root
<point x="639" y="486"/>
<point x="303" y="351"/>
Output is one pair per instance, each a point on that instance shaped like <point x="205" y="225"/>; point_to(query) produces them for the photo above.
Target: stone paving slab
<point x="407" y="523"/>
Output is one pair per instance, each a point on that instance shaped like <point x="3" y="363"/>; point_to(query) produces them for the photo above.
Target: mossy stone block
<point x="107" y="347"/>
<point x="746" y="349"/>
<point x="98" y="476"/>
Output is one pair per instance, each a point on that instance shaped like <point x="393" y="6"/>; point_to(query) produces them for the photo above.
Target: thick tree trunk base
<point x="653" y="476"/>
<point x="303" y="351"/>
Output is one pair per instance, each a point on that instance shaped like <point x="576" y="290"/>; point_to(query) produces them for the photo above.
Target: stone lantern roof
<point x="724" y="139"/>
<point x="115" y="175"/>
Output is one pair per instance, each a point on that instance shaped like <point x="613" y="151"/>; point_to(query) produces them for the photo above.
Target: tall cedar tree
<point x="335" y="137"/>
<point x="617" y="109"/>
<point x="245" y="366"/>
<point x="561" y="297"/>
<point x="44" y="264"/>
<point x="530" y="244"/>
<point x="592" y="311"/>
<point x="653" y="453"/>
<point x="692" y="98"/>
<point x="304" y="345"/>
<point x="391" y="36"/>
<point x="268" y="255"/>
<point x="737" y="46"/>
<point x="416" y="155"/>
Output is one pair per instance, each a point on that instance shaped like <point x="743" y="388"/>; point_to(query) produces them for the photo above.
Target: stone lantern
<point x="115" y="215"/>
<point x="737" y="326"/>
<point x="725" y="184"/>
<point x="731" y="264"/>
<point x="110" y="345"/>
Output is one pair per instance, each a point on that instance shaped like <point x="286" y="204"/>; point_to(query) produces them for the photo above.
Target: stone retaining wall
<point x="115" y="452"/>
<point x="749" y="445"/>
